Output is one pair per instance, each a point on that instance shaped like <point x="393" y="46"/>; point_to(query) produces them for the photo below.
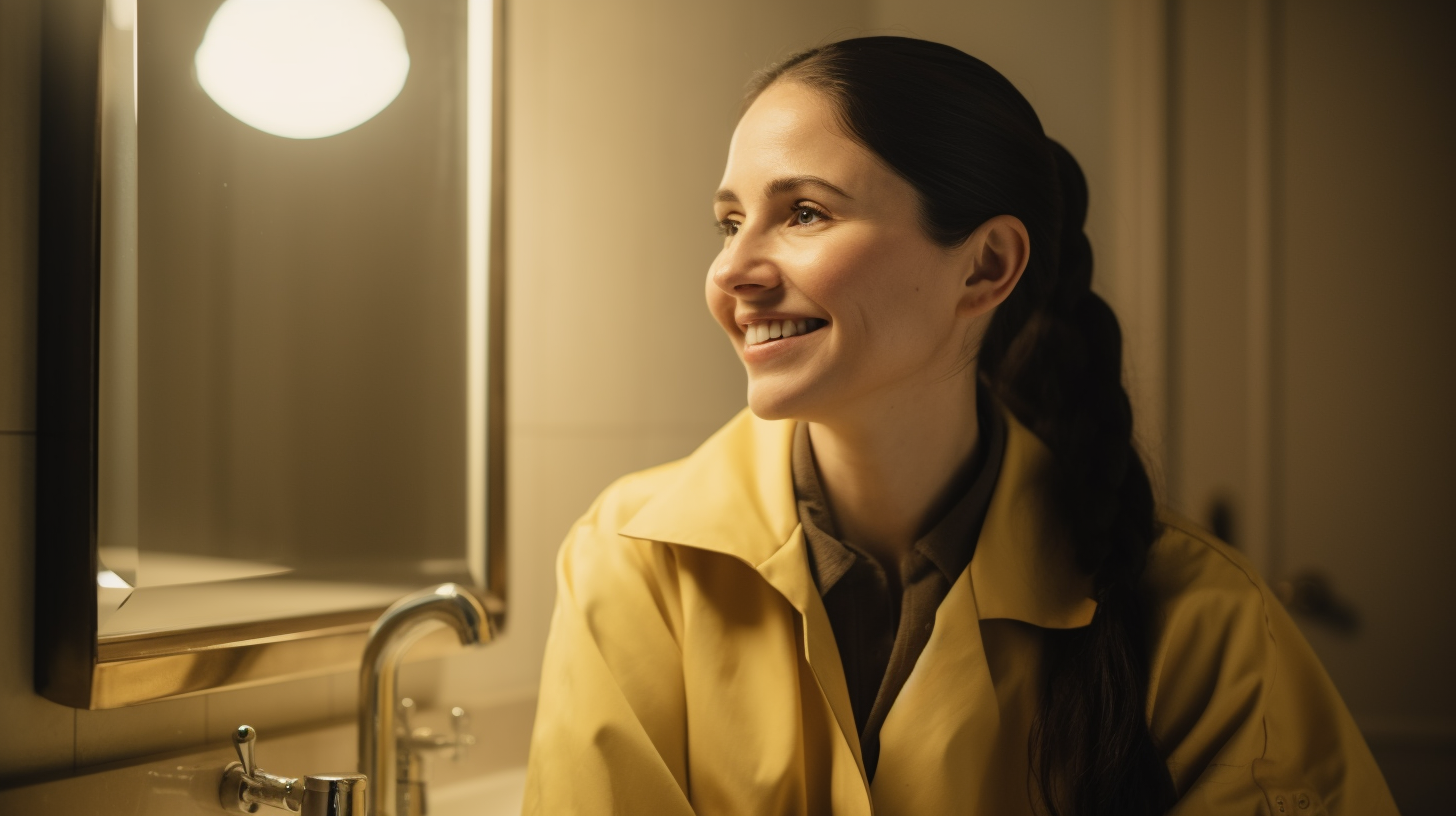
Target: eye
<point x="806" y="216"/>
<point x="727" y="227"/>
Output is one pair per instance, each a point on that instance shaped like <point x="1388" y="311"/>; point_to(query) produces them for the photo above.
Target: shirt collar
<point x="735" y="495"/>
<point x="948" y="543"/>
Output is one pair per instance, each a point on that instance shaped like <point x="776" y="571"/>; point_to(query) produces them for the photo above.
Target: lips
<point x="767" y="331"/>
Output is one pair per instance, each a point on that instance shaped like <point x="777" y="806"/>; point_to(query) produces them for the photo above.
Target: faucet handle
<point x="406" y="716"/>
<point x="460" y="724"/>
<point x="425" y="740"/>
<point x="244" y="740"/>
<point x="245" y="786"/>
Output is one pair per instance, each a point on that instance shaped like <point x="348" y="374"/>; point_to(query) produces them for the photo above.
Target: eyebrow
<point x="780" y="186"/>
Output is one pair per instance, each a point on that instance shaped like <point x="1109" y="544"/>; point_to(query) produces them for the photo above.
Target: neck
<point x="885" y="465"/>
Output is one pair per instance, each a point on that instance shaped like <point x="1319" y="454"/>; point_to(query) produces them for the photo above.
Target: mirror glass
<point x="294" y="281"/>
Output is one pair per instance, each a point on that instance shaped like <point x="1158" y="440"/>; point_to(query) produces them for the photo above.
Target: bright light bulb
<point x="303" y="69"/>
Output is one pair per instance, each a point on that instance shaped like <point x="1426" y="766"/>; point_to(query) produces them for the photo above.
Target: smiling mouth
<point x="767" y="331"/>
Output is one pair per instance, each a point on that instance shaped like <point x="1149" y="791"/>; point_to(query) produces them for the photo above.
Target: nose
<point x="745" y="269"/>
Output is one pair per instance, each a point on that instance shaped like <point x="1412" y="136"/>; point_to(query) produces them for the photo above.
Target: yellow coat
<point x="691" y="667"/>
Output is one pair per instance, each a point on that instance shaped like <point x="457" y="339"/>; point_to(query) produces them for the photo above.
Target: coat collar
<point x="735" y="495"/>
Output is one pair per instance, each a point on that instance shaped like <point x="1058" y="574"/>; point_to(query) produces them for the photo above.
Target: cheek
<point x="882" y="291"/>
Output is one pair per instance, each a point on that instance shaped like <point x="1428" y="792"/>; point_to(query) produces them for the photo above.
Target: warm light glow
<point x="303" y="69"/>
<point x="122" y="14"/>
<point x="110" y="580"/>
<point x="480" y="35"/>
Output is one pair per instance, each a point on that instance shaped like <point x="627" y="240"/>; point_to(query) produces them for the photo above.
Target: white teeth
<point x="763" y="331"/>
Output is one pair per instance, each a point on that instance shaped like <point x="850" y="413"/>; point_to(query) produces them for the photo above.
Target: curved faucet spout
<point x="397" y="629"/>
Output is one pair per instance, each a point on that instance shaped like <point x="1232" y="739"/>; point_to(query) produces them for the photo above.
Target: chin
<point x="778" y="400"/>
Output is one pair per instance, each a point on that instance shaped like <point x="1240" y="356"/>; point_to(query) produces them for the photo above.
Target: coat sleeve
<point x="610" y="732"/>
<point x="1251" y="721"/>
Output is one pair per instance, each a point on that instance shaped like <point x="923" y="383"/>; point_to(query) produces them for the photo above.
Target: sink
<point x="495" y="794"/>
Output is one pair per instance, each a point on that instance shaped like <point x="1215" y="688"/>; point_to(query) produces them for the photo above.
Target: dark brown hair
<point x="973" y="148"/>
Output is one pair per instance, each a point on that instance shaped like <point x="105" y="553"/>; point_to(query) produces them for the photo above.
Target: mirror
<point x="270" y="355"/>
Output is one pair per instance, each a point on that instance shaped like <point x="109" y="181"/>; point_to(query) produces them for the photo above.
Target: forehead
<point x="792" y="130"/>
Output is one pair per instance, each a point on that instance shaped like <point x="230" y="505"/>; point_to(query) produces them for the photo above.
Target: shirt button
<point x="1302" y="801"/>
<point x="1279" y="804"/>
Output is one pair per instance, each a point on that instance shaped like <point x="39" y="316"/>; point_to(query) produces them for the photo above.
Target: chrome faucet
<point x="387" y="751"/>
<point x="245" y="787"/>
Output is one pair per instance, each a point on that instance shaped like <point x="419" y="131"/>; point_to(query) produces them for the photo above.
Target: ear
<point x="996" y="255"/>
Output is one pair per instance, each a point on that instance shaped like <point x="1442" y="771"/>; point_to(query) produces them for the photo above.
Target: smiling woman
<point x="923" y="572"/>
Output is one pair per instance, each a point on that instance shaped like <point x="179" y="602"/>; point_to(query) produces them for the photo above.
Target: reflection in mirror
<point x="303" y="70"/>
<point x="295" y="409"/>
<point x="116" y="478"/>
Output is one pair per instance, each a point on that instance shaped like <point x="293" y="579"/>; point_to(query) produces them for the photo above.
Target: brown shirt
<point x="882" y="622"/>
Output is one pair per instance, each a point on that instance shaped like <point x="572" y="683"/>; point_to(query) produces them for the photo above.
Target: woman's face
<point x="823" y="243"/>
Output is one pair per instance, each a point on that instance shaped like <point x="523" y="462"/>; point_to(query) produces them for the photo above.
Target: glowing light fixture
<point x="304" y="69"/>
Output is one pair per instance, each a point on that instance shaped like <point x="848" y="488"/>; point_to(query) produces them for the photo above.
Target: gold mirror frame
<point x="74" y="666"/>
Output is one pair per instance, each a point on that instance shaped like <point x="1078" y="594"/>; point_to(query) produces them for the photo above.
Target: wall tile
<point x="122" y="733"/>
<point x="19" y="130"/>
<point x="419" y="681"/>
<point x="269" y="709"/>
<point x="41" y="734"/>
<point x="344" y="695"/>
<point x="185" y="784"/>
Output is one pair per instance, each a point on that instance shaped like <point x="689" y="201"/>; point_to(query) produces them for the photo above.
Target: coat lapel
<point x="735" y="496"/>
<point x="943" y="725"/>
<point x="788" y="572"/>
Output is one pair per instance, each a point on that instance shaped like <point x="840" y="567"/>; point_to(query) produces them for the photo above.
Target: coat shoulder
<point x="597" y="563"/>
<point x="625" y="497"/>
<point x="1189" y="565"/>
<point x="1214" y="653"/>
<point x="1237" y="693"/>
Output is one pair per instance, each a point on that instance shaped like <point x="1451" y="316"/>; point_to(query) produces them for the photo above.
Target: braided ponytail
<point x="973" y="148"/>
<point x="1061" y="373"/>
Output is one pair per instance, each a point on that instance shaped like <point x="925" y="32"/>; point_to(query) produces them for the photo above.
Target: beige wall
<point x="619" y="120"/>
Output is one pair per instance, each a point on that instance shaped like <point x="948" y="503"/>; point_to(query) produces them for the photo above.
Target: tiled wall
<point x="48" y="730"/>
<point x="620" y="115"/>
